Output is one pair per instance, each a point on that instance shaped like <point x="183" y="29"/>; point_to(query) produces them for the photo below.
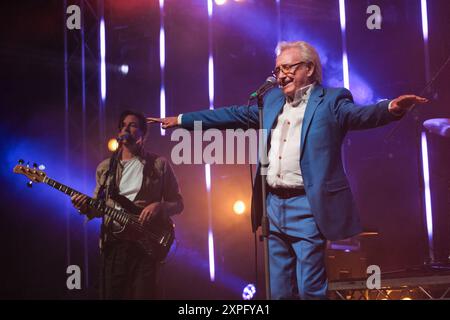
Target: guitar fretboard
<point x="115" y="214"/>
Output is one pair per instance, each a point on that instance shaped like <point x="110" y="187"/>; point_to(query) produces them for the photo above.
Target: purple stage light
<point x="208" y="177"/>
<point x="424" y="11"/>
<point x="342" y="14"/>
<point x="211" y="81"/>
<point x="212" y="268"/>
<point x="210" y="8"/>
<point x="345" y="70"/>
<point x="162" y="48"/>
<point x="124" y="69"/>
<point x="278" y="20"/>
<point x="344" y="44"/>
<point x="162" y="105"/>
<point x="102" y="60"/>
<point x="162" y="62"/>
<point x="427" y="193"/>
<point x="424" y="144"/>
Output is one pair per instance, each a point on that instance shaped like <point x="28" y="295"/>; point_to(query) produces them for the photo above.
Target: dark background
<point x="41" y="234"/>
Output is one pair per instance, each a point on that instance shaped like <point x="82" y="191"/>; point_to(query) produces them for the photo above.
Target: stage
<point x="70" y="68"/>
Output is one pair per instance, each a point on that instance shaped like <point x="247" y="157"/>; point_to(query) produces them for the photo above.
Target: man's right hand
<point x="168" y="122"/>
<point x="79" y="201"/>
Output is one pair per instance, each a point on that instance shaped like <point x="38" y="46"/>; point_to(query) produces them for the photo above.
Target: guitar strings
<point x="141" y="227"/>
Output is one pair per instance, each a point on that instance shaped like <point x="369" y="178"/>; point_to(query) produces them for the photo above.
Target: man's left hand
<point x="404" y="103"/>
<point x="149" y="211"/>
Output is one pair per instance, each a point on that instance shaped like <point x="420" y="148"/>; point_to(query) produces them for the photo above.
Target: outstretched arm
<point x="354" y="117"/>
<point x="233" y="117"/>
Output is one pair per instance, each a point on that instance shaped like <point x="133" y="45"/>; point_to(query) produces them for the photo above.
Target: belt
<point x="286" y="193"/>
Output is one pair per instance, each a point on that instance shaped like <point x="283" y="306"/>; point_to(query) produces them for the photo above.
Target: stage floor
<point x="415" y="283"/>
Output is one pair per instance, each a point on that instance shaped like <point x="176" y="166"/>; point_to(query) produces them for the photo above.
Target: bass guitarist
<point x="131" y="177"/>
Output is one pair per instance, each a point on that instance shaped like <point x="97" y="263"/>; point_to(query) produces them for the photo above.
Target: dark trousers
<point x="126" y="272"/>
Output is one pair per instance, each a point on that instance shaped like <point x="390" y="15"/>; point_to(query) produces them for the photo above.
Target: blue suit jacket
<point x="329" y="114"/>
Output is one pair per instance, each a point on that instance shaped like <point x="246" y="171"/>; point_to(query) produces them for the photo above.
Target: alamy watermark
<point x="375" y="18"/>
<point x="74" y="19"/>
<point x="374" y="279"/>
<point x="74" y="279"/>
<point x="373" y="21"/>
<point x="229" y="147"/>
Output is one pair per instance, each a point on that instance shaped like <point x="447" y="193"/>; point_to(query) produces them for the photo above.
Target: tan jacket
<point x="159" y="184"/>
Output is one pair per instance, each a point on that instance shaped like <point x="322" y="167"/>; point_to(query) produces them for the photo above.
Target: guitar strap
<point x="112" y="169"/>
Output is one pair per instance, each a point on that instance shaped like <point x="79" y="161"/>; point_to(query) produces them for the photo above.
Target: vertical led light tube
<point x="162" y="62"/>
<point x="427" y="193"/>
<point x="344" y="44"/>
<point x="212" y="272"/>
<point x="102" y="60"/>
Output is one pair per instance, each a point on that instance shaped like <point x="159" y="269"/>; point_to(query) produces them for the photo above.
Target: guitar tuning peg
<point x="35" y="165"/>
<point x="28" y="164"/>
<point x="30" y="184"/>
<point x="41" y="167"/>
<point x="21" y="161"/>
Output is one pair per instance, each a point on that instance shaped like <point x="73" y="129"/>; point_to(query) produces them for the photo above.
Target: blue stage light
<point x="249" y="292"/>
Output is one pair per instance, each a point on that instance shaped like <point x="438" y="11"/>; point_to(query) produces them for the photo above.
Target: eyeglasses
<point x="286" y="69"/>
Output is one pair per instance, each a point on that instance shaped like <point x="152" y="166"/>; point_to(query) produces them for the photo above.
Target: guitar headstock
<point x="32" y="173"/>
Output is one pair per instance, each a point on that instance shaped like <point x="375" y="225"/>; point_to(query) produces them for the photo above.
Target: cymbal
<point x="440" y="126"/>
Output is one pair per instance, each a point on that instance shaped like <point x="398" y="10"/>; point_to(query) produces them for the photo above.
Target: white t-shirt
<point x="132" y="175"/>
<point x="130" y="182"/>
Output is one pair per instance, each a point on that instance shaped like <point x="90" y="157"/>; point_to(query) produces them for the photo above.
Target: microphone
<point x="125" y="137"/>
<point x="268" y="84"/>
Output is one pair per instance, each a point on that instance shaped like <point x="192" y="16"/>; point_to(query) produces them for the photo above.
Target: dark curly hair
<point x="140" y="116"/>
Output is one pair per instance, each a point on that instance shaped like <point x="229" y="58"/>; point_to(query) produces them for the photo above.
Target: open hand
<point x="404" y="103"/>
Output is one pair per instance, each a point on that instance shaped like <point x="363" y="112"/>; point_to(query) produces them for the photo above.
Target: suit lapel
<point x="314" y="100"/>
<point x="272" y="111"/>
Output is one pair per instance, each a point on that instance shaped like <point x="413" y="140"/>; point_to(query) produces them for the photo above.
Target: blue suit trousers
<point x="296" y="250"/>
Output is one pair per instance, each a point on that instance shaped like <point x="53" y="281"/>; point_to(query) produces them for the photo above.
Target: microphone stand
<point x="102" y="196"/>
<point x="264" y="219"/>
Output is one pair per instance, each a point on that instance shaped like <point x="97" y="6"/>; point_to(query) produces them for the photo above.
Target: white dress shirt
<point x="284" y="154"/>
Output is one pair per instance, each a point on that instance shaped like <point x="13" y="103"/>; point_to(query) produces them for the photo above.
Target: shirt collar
<point x="140" y="156"/>
<point x="301" y="95"/>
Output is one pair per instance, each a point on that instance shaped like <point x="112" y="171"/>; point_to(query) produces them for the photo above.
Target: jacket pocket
<point x="336" y="185"/>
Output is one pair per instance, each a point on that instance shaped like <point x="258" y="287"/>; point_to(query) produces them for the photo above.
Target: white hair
<point x="308" y="52"/>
